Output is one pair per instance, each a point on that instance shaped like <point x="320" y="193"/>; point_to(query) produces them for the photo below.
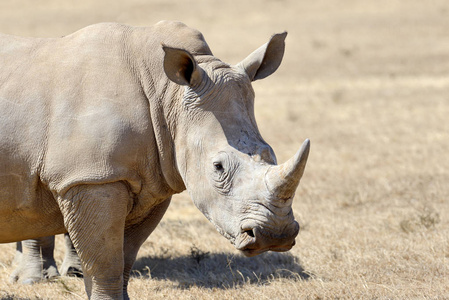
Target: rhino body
<point x="100" y="128"/>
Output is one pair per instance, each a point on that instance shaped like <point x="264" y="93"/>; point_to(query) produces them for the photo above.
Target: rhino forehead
<point x="223" y="90"/>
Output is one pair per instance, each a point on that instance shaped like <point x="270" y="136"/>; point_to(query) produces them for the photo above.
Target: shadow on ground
<point x="220" y="270"/>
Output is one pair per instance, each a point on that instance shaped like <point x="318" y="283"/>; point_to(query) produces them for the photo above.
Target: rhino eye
<point x="218" y="166"/>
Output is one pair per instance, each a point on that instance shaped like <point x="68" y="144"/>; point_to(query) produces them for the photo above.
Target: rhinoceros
<point x="99" y="128"/>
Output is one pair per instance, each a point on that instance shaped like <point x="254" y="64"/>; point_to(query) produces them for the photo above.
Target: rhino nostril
<point x="250" y="232"/>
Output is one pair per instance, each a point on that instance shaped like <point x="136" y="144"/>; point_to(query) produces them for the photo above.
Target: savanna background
<point x="368" y="83"/>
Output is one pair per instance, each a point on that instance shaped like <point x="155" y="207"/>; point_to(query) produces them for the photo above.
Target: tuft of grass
<point x="67" y="288"/>
<point x="424" y="219"/>
<point x="197" y="254"/>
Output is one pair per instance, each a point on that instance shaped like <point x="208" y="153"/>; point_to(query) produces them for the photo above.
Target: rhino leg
<point x="136" y="235"/>
<point x="71" y="266"/>
<point x="94" y="216"/>
<point x="19" y="254"/>
<point x="35" y="261"/>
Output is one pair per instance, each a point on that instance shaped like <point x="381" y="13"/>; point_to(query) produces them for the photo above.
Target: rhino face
<point x="228" y="169"/>
<point x="251" y="215"/>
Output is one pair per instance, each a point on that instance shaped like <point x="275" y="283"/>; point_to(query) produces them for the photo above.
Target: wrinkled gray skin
<point x="35" y="262"/>
<point x="100" y="128"/>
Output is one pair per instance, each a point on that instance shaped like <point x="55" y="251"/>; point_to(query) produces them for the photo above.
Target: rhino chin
<point x="253" y="252"/>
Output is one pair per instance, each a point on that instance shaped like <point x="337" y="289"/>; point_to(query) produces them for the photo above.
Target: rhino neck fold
<point x="158" y="91"/>
<point x="163" y="128"/>
<point x="146" y="57"/>
<point x="163" y="95"/>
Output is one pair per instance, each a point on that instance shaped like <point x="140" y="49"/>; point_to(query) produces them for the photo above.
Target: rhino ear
<point x="180" y="66"/>
<point x="265" y="60"/>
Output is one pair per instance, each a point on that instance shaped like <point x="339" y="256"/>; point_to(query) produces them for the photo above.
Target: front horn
<point x="282" y="180"/>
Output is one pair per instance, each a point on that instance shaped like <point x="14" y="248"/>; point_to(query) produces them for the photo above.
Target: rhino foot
<point x="72" y="272"/>
<point x="50" y="273"/>
<point x="30" y="275"/>
<point x="16" y="276"/>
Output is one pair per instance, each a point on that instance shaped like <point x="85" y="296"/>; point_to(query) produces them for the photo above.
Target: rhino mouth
<point x="252" y="242"/>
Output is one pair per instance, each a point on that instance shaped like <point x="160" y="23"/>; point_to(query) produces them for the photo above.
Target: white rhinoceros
<point x="98" y="129"/>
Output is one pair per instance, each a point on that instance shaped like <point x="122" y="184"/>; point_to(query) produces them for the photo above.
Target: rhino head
<point x="228" y="169"/>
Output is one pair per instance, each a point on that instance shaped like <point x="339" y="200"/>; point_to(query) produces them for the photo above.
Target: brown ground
<point x="368" y="83"/>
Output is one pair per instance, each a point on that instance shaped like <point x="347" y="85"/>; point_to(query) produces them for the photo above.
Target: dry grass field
<point x="368" y="83"/>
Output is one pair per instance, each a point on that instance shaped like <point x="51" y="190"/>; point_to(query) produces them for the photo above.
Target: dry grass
<point x="368" y="83"/>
